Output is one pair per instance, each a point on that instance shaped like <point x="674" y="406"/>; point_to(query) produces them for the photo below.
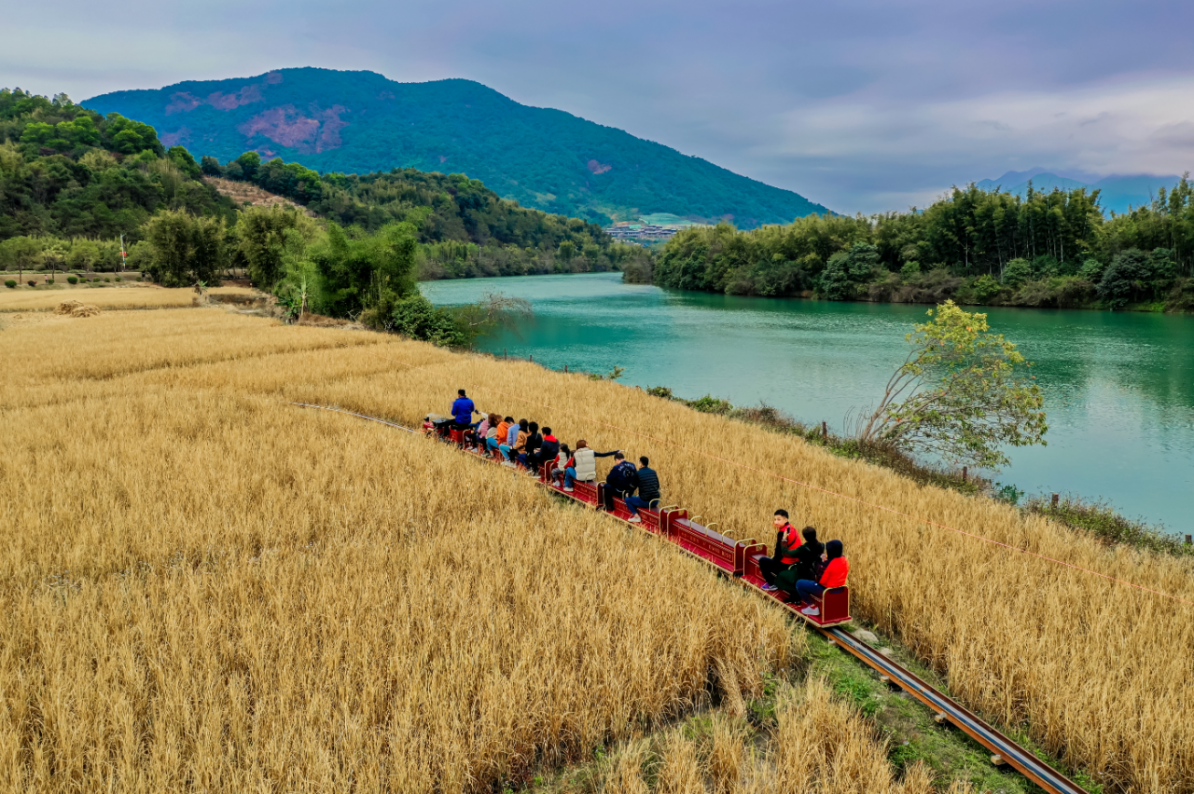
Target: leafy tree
<point x="847" y="270"/>
<point x="1017" y="272"/>
<point x="262" y="233"/>
<point x="187" y="250"/>
<point x="366" y="277"/>
<point x="416" y="317"/>
<point x="962" y="393"/>
<point x="1127" y="278"/>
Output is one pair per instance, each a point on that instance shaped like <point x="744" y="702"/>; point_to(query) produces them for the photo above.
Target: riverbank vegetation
<point x="1052" y="249"/>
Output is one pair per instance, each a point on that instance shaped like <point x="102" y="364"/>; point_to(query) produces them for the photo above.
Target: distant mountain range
<point x="1117" y="193"/>
<point x="358" y="122"/>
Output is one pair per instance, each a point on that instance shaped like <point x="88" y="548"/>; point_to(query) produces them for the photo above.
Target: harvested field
<point x="1098" y="673"/>
<point x="139" y="297"/>
<point x="215" y="591"/>
<point x="248" y="193"/>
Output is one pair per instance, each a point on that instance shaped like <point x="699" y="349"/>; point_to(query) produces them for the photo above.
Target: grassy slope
<point x="538" y="156"/>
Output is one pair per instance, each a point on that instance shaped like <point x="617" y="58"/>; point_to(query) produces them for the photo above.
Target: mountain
<point x="1117" y="193"/>
<point x="358" y="122"/>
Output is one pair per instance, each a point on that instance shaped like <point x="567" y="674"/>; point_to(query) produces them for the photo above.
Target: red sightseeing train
<point x="736" y="558"/>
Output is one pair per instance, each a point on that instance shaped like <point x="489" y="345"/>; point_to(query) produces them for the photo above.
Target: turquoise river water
<point x="1119" y="387"/>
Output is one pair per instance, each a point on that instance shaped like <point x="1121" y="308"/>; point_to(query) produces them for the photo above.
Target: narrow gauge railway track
<point x="739" y="559"/>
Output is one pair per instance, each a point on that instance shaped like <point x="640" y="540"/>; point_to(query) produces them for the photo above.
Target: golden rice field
<point x="214" y="591"/>
<point x="217" y="539"/>
<point x="139" y="297"/>
<point x="816" y="745"/>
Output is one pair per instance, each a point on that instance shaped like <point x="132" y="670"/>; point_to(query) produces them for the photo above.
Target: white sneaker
<point x="568" y="490"/>
<point x="812" y="612"/>
<point x="635" y="520"/>
<point x="507" y="463"/>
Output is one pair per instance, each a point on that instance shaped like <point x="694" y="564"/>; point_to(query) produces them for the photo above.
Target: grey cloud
<point x="860" y="105"/>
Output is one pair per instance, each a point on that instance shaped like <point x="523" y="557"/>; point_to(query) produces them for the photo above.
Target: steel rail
<point x="1008" y="751"/>
<point x="1005" y="750"/>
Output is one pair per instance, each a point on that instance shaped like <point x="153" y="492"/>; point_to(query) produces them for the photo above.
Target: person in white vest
<point x="584" y="465"/>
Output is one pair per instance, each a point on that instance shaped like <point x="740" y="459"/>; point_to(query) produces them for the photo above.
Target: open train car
<point x="735" y="558"/>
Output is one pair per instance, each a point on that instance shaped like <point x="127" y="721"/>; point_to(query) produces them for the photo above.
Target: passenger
<point x="547" y="452"/>
<point x="785" y="548"/>
<point x="477" y="437"/>
<point x="584" y="465"/>
<point x="516" y="441"/>
<point x="503" y="431"/>
<point x="836" y="570"/>
<point x="531" y="447"/>
<point x="808" y="563"/>
<point x="621" y="480"/>
<point x="493" y="434"/>
<point x="463" y="410"/>
<point x="561" y="465"/>
<point x="648" y="490"/>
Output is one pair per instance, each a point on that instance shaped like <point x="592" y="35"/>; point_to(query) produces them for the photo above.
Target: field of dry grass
<point x="1098" y="673"/>
<point x="248" y="193"/>
<point x="816" y="744"/>
<point x="215" y="591"/>
<point x="139" y="297"/>
<point x="1093" y="670"/>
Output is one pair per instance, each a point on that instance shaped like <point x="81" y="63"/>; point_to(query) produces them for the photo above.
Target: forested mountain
<point x="73" y="182"/>
<point x="1051" y="248"/>
<point x="357" y="122"/>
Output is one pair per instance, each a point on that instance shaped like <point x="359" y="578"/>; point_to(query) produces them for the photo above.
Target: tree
<point x="1017" y="272"/>
<point x="416" y="317"/>
<point x="961" y="394"/>
<point x="186" y="250"/>
<point x="262" y="241"/>
<point x="847" y="269"/>
<point x="301" y="285"/>
<point x="1127" y="277"/>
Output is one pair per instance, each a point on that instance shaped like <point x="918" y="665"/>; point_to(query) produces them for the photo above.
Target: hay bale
<point x="85" y="311"/>
<point x="68" y="307"/>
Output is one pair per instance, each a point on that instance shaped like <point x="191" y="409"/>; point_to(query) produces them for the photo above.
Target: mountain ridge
<point x="359" y="122"/>
<point x="1117" y="192"/>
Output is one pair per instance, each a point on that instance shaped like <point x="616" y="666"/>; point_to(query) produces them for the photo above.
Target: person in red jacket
<point x="837" y="568"/>
<point x="786" y="541"/>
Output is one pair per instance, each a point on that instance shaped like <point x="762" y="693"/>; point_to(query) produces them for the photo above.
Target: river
<point x="1119" y="387"/>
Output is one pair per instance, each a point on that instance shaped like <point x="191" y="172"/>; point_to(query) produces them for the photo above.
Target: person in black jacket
<point x="808" y="563"/>
<point x="534" y="441"/>
<point x="648" y="490"/>
<point x="547" y="450"/>
<point x="621" y="480"/>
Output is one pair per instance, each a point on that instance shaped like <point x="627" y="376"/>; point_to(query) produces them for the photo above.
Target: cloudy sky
<point x="865" y="106"/>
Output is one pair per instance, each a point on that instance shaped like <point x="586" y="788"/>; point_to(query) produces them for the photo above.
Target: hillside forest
<point x="73" y="183"/>
<point x="1046" y="249"/>
<point x="356" y="122"/>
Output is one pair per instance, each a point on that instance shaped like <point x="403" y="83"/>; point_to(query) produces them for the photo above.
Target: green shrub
<point x="118" y="278"/>
<point x="106" y="279"/>
<point x="10" y="284"/>
<point x="72" y="280"/>
<point x="49" y="281"/>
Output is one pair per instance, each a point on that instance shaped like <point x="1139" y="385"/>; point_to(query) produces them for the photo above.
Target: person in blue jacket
<point x="462" y="411"/>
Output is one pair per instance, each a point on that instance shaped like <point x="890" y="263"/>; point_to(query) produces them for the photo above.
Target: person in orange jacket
<point x="837" y="568"/>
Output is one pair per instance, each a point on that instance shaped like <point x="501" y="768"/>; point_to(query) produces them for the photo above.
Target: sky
<point x="863" y="105"/>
